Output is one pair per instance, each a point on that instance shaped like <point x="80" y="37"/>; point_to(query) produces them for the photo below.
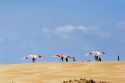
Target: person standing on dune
<point x="66" y="59"/>
<point x="99" y="59"/>
<point x="74" y="59"/>
<point x="118" y="58"/>
<point x="62" y="58"/>
<point x="33" y="60"/>
<point x="96" y="58"/>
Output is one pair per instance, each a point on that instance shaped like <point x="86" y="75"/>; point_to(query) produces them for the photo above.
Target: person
<point x="62" y="58"/>
<point x="96" y="58"/>
<point x="66" y="59"/>
<point x="118" y="58"/>
<point x="99" y="59"/>
<point x="34" y="60"/>
<point x="74" y="59"/>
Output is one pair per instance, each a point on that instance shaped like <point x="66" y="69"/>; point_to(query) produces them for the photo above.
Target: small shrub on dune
<point x="83" y="81"/>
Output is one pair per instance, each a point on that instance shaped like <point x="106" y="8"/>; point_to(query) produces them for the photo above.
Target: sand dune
<point x="56" y="72"/>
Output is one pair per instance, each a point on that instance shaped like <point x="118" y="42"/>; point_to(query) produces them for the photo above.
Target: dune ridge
<point x="57" y="72"/>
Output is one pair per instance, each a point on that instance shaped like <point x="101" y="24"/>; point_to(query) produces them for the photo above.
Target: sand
<point x="56" y="72"/>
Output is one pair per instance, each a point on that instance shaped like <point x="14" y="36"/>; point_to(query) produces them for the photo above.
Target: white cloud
<point x="120" y="25"/>
<point x="69" y="31"/>
<point x="46" y="30"/>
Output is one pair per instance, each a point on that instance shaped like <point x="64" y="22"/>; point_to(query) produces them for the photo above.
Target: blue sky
<point x="72" y="27"/>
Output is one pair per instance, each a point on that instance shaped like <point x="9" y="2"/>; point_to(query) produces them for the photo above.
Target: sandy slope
<point x="55" y="72"/>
